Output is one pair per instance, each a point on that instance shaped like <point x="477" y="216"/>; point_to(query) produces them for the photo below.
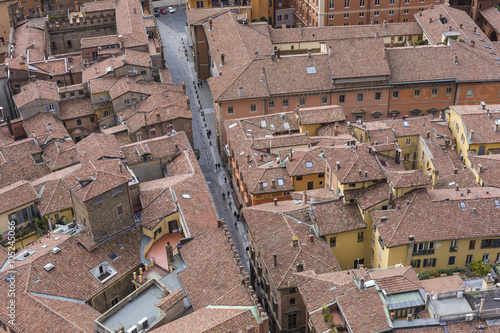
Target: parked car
<point x="157" y="12"/>
<point x="171" y="9"/>
<point x="163" y="11"/>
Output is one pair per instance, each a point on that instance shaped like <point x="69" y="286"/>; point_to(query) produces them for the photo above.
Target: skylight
<point x="113" y="256"/>
<point x="311" y="70"/>
<point x="280" y="181"/>
<point x="462" y="204"/>
<point x="405" y="124"/>
<point x="185" y="196"/>
<point x="286" y="126"/>
<point x="264" y="185"/>
<point x="497" y="203"/>
<point x="263" y="123"/>
<point x="309" y="165"/>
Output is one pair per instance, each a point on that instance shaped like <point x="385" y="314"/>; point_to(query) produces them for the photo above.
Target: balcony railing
<point x="423" y="252"/>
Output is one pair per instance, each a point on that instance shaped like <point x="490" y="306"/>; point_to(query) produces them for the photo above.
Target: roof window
<point x="309" y="165"/>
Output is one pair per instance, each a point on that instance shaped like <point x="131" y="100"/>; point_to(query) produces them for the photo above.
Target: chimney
<point x="440" y="15"/>
<point x="360" y="173"/>
<point x="420" y="13"/>
<point x="430" y="19"/>
<point x="275" y="260"/>
<point x="311" y="238"/>
<point x="483" y="106"/>
<point x="472" y="43"/>
<point x="455" y="170"/>
<point x="170" y="252"/>
<point x="248" y="158"/>
<point x="475" y="29"/>
<point x="361" y="282"/>
<point x="304" y="197"/>
<point x="392" y="44"/>
<point x="428" y="134"/>
<point x="366" y="174"/>
<point x="275" y="202"/>
<point x="457" y="187"/>
<point x="309" y="53"/>
<point x="383" y="219"/>
<point x="261" y="185"/>
<point x="211" y="25"/>
<point x="495" y="128"/>
<point x="222" y="57"/>
<point x="122" y="44"/>
<point x="337" y="166"/>
<point x="183" y="85"/>
<point x="471" y="136"/>
<point x="329" y="51"/>
<point x="300" y="267"/>
<point x="158" y="117"/>
<point x="120" y="167"/>
<point x="262" y="157"/>
<point x="479" y="168"/>
<point x="273" y="183"/>
<point x="461" y="25"/>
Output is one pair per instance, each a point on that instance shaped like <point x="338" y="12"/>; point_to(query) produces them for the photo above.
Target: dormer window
<point x="103" y="272"/>
<point x="84" y="181"/>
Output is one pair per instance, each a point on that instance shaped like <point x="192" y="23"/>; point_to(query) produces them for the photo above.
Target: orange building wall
<point x="488" y="92"/>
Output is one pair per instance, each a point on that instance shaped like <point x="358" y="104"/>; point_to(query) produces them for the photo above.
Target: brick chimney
<point x="275" y="260"/>
<point x="428" y="134"/>
<point x="311" y="238"/>
<point x="479" y="168"/>
<point x="211" y="25"/>
<point x="273" y="183"/>
<point x="300" y="267"/>
<point x="248" y="158"/>
<point x="170" y="252"/>
<point x="337" y="165"/>
<point x="304" y="197"/>
<point x="222" y="58"/>
<point x="275" y="202"/>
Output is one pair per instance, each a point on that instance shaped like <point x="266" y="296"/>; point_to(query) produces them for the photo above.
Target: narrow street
<point x="179" y="60"/>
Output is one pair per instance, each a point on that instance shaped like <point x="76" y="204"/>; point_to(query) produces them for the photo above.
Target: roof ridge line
<point x="407" y="208"/>
<point x="300" y="250"/>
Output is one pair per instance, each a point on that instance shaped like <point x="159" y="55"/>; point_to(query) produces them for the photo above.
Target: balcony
<point x="423" y="252"/>
<point x="453" y="249"/>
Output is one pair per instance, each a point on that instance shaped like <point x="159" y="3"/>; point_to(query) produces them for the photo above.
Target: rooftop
<point x="16" y="195"/>
<point x="35" y="90"/>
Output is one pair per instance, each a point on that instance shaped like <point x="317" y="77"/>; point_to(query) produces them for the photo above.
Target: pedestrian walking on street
<point x="228" y="194"/>
<point x="225" y="180"/>
<point x="210" y="142"/>
<point x="238" y="217"/>
<point x="229" y="203"/>
<point x="234" y="214"/>
<point x="224" y="196"/>
<point x="217" y="165"/>
<point x="201" y="84"/>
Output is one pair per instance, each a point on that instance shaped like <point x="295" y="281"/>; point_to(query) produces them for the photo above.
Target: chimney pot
<point x="366" y="174"/>
<point x="222" y="58"/>
<point x="428" y="134"/>
<point x="275" y="202"/>
<point x="300" y="267"/>
<point x="311" y="238"/>
<point x="337" y="167"/>
<point x="455" y="170"/>
<point x="248" y="158"/>
<point x="275" y="259"/>
<point x="480" y="168"/>
<point x="304" y="197"/>
<point x="383" y="219"/>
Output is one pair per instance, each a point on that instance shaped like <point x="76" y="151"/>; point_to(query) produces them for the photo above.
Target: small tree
<point x="479" y="267"/>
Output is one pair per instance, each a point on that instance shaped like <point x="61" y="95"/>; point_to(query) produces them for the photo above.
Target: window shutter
<point x="47" y="108"/>
<point x="434" y="262"/>
<point x="418" y="263"/>
<point x="55" y="106"/>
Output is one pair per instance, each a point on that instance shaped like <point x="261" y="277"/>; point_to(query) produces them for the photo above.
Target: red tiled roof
<point x="75" y="261"/>
<point x="45" y="128"/>
<point x="397" y="280"/>
<point x="103" y="176"/>
<point x="211" y="273"/>
<point x="334" y="217"/>
<point x="35" y="90"/>
<point x="16" y="195"/>
<point x="98" y="146"/>
<point x="76" y="108"/>
<point x="272" y="233"/>
<point x="171" y="299"/>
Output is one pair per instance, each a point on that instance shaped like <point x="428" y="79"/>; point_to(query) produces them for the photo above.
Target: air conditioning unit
<point x="133" y="329"/>
<point x="469" y="317"/>
<point x="143" y="323"/>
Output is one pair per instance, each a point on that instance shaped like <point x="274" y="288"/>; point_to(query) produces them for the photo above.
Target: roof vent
<point x="55" y="250"/>
<point x="48" y="267"/>
<point x="383" y="219"/>
<point x="300" y="267"/>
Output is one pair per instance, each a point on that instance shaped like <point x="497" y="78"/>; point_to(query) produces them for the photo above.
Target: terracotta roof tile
<point x="99" y="40"/>
<point x="98" y="146"/>
<point x="353" y="161"/>
<point x="372" y="195"/>
<point x="18" y="194"/>
<point x="171" y="299"/>
<point x="397" y="280"/>
<point x="443" y="284"/>
<point x="45" y="128"/>
<point x="103" y="176"/>
<point x="464" y="179"/>
<point x="492" y="16"/>
<point x="476" y="119"/>
<point x="408" y="178"/>
<point x="272" y="233"/>
<point x="130" y="23"/>
<point x="54" y="194"/>
<point x="320" y="115"/>
<point x="429" y="216"/>
<point x="30" y="36"/>
<point x="97" y="6"/>
<point x="60" y="154"/>
<point x="131" y="57"/>
<point x="18" y="162"/>
<point x="212" y="272"/>
<point x="489" y="167"/>
<point x="40" y="313"/>
<point x="363" y="57"/>
<point x="75" y="261"/>
<point x="156" y="148"/>
<point x="201" y="15"/>
<point x="212" y="319"/>
<point x="318" y="195"/>
<point x="333" y="217"/>
<point x="76" y="108"/>
<point x="290" y="35"/>
<point x="35" y="90"/>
